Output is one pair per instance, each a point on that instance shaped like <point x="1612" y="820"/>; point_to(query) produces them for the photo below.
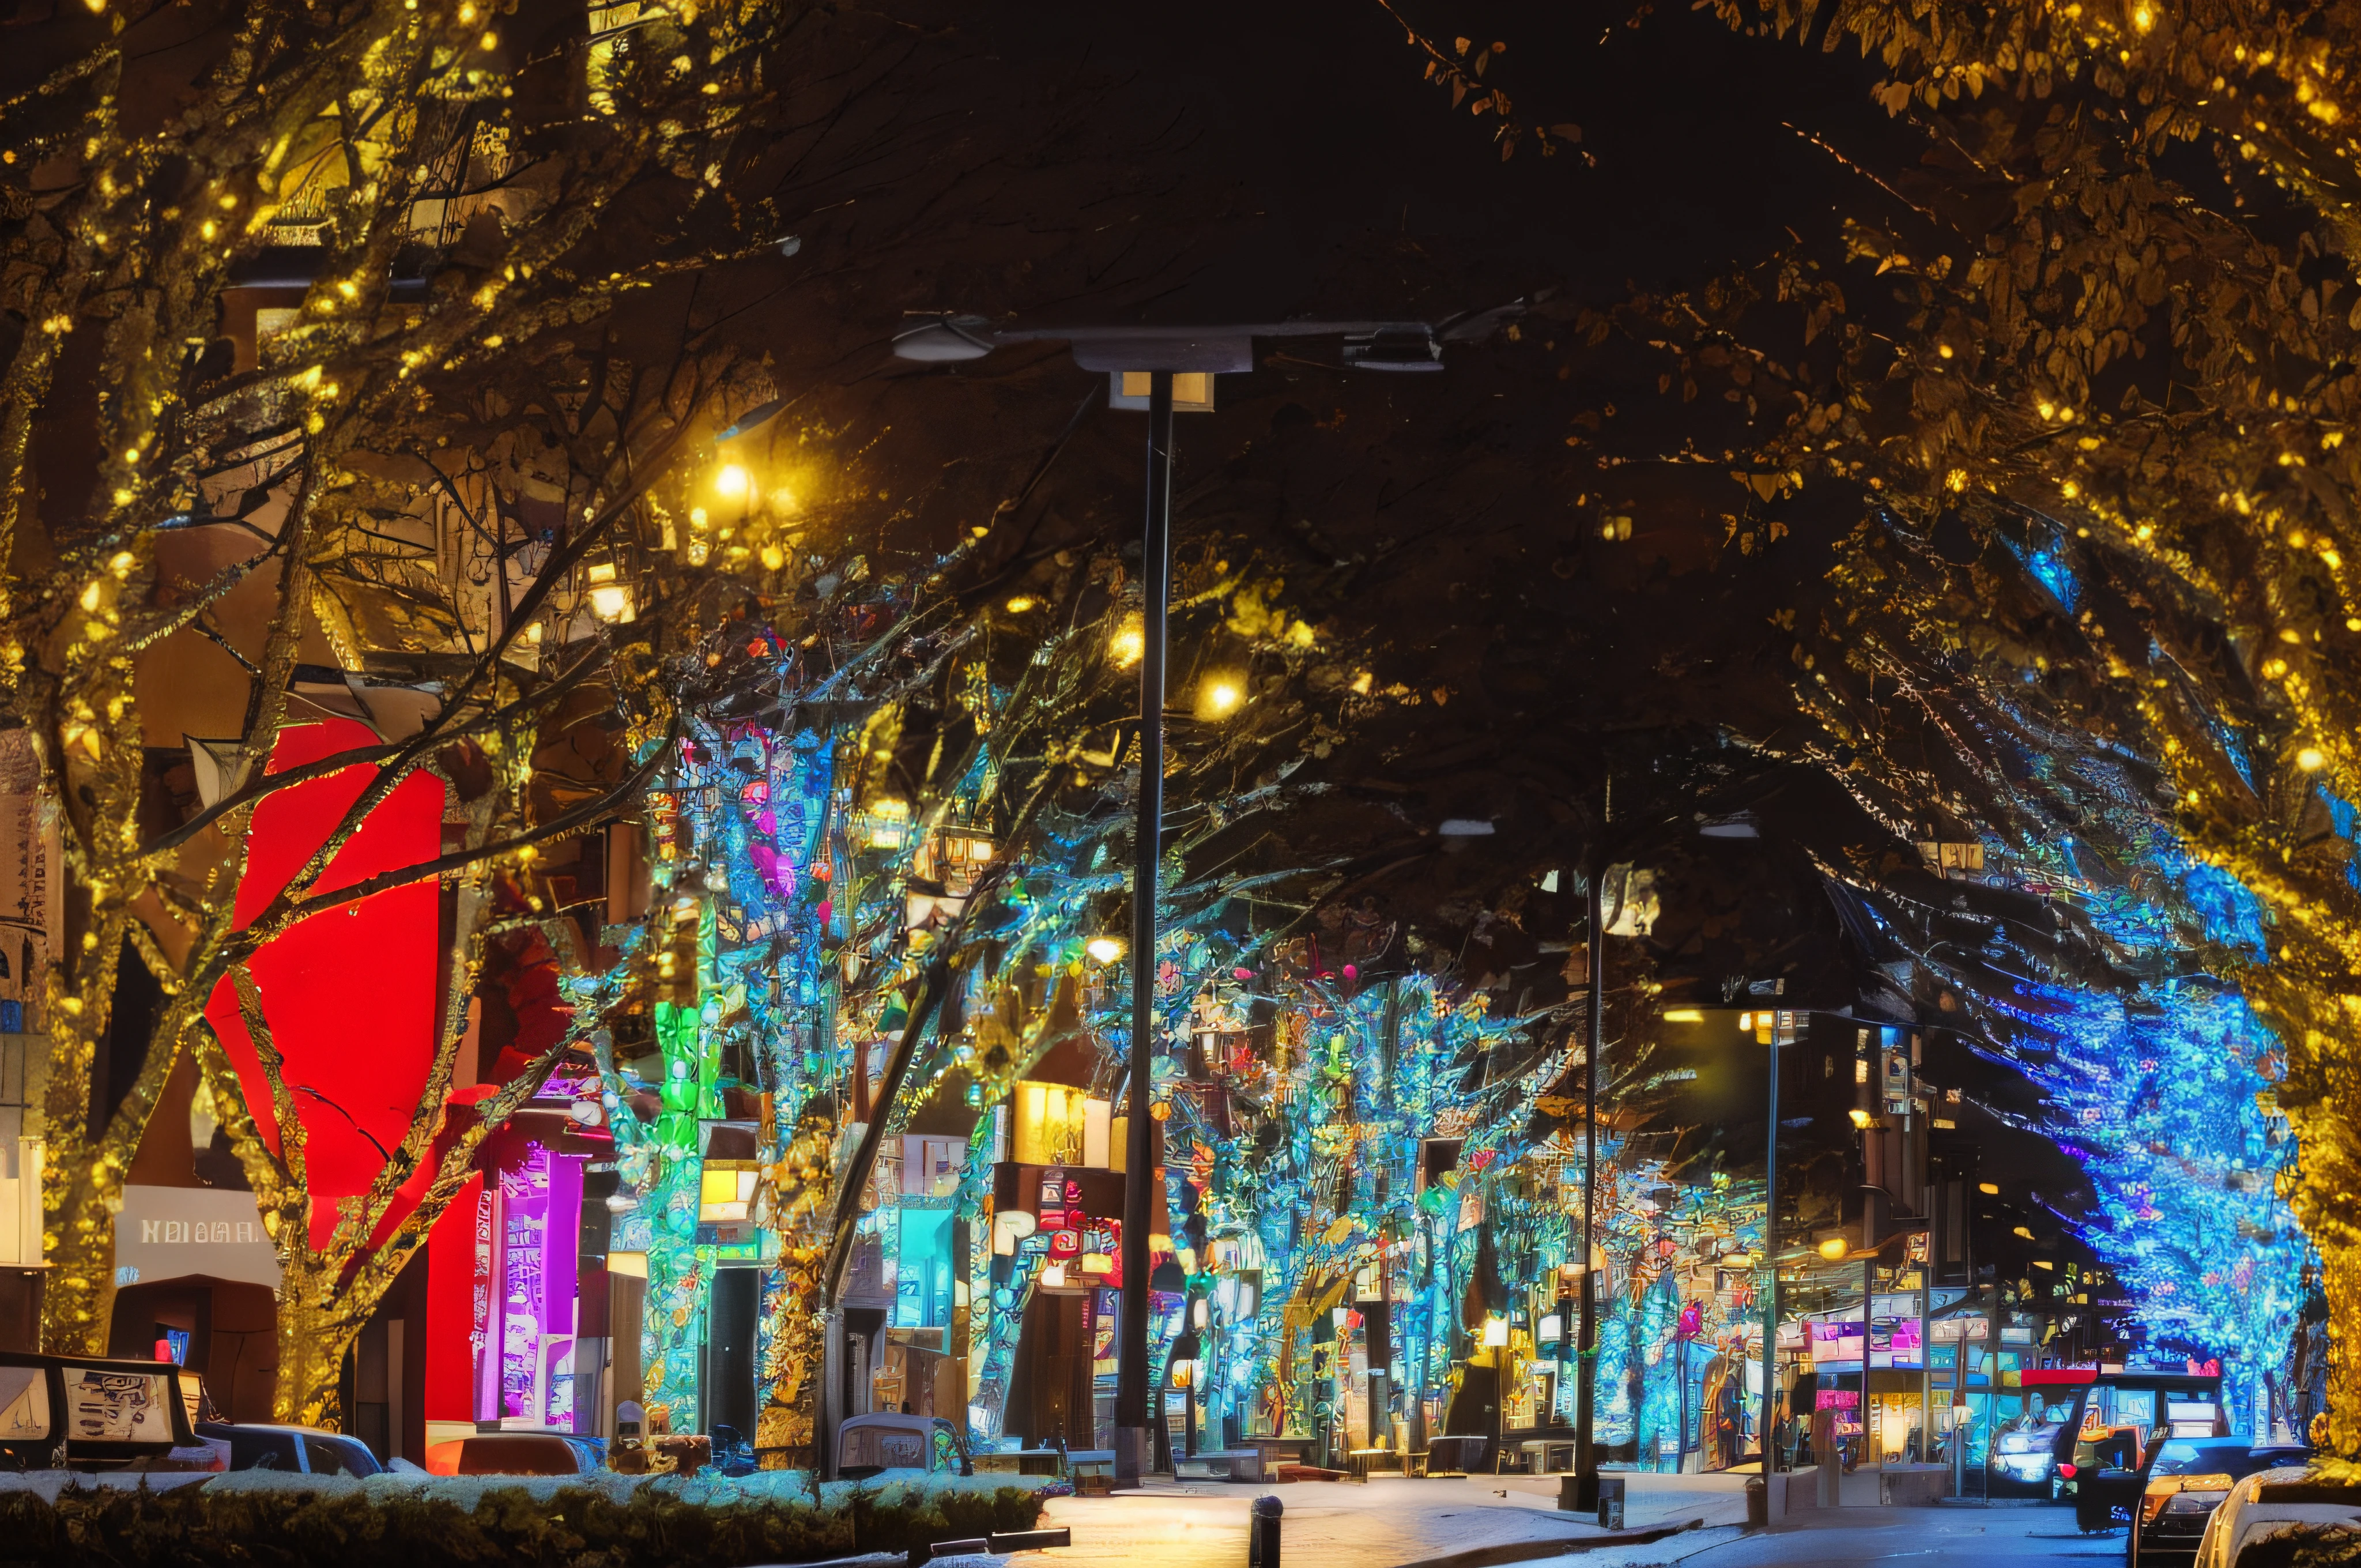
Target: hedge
<point x="391" y="1522"/>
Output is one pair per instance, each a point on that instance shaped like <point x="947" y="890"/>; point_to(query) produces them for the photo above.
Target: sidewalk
<point x="1389" y="1523"/>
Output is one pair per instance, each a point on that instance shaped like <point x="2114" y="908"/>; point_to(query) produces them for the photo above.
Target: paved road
<point x="1952" y="1537"/>
<point x="1390" y="1523"/>
<point x="1385" y="1524"/>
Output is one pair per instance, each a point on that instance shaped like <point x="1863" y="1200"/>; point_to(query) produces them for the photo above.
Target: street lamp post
<point x="1586" y="1393"/>
<point x="1162" y="353"/>
<point x="1763" y="1431"/>
<point x="1131" y="1412"/>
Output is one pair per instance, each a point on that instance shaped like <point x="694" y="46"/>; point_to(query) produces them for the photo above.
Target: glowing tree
<point x="444" y="368"/>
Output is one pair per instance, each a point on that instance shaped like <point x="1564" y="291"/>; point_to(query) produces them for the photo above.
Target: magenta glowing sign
<point x="527" y="1267"/>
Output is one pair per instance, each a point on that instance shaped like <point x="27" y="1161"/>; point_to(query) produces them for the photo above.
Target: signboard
<point x="1836" y="1341"/>
<point x="119" y="1407"/>
<point x="172" y="1233"/>
<point x="1836" y="1398"/>
<point x="1089" y="1245"/>
<point x="1894" y="1343"/>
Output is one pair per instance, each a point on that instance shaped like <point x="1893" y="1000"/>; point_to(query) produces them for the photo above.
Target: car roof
<point x="273" y="1426"/>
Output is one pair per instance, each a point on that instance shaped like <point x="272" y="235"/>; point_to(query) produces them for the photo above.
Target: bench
<point x="1092" y="1470"/>
<point x="1018" y="1461"/>
<point x="1277" y="1451"/>
<point x="1458" y="1455"/>
<point x="1538" y="1452"/>
<point x="1221" y="1465"/>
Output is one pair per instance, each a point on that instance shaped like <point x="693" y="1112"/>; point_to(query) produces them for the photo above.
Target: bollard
<point x="1610" y="1502"/>
<point x="1758" y="1502"/>
<point x="1262" y="1534"/>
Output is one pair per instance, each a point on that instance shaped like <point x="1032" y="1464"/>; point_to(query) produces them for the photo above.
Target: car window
<point x="264" y="1451"/>
<point x="2180" y="1458"/>
<point x="2108" y="1450"/>
<point x="328" y="1457"/>
<point x="24" y="1402"/>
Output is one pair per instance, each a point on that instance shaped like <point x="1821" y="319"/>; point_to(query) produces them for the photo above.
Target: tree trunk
<point x="2319" y="1189"/>
<point x="785" y="1429"/>
<point x="317" y="1325"/>
<point x="80" y="1195"/>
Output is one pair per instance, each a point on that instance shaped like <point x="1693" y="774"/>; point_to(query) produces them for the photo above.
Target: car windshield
<point x="2231" y="1459"/>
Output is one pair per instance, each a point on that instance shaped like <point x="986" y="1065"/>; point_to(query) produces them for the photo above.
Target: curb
<point x="1528" y="1550"/>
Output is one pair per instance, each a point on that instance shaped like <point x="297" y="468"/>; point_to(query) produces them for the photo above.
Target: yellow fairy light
<point x="2312" y="759"/>
<point x="1221" y="698"/>
<point x="732" y="480"/>
<point x="1128" y="643"/>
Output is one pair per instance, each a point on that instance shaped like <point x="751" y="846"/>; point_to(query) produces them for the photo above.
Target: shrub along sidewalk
<point x="256" y="1520"/>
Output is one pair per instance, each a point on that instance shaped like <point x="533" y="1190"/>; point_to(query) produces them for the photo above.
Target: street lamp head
<point x="1411" y="347"/>
<point x="934" y="339"/>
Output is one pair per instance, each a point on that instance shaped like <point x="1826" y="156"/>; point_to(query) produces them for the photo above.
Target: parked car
<point x="514" y="1454"/>
<point x="90" y="1413"/>
<point x="2266" y="1518"/>
<point x="2024" y="1458"/>
<point x="2101" y="1478"/>
<point x="866" y="1445"/>
<point x="2177" y="1491"/>
<point x="303" y="1450"/>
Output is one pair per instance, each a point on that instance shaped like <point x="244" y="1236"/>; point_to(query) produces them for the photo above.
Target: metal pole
<point x="1681" y="1366"/>
<point x="1870" y="1434"/>
<point x="1131" y="1414"/>
<point x="1764" y="1433"/>
<point x="1585" y="1464"/>
<point x="1926" y="1354"/>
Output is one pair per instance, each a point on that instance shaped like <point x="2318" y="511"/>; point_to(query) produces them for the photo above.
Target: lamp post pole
<point x="1586" y="1463"/>
<point x="938" y="339"/>
<point x="1771" y="1258"/>
<point x="1131" y="1403"/>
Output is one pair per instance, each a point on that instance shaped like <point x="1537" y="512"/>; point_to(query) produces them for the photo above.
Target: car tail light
<point x="2067" y="1471"/>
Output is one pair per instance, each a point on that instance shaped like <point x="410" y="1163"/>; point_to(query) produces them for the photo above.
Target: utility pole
<point x="1131" y="1403"/>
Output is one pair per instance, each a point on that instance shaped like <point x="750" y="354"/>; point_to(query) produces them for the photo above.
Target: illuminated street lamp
<point x="1165" y="370"/>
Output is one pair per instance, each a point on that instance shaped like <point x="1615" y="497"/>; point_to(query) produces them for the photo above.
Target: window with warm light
<point x="1049" y="1125"/>
<point x="726" y="1192"/>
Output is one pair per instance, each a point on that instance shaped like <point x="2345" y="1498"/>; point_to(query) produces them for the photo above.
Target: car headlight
<point x="2194" y="1502"/>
